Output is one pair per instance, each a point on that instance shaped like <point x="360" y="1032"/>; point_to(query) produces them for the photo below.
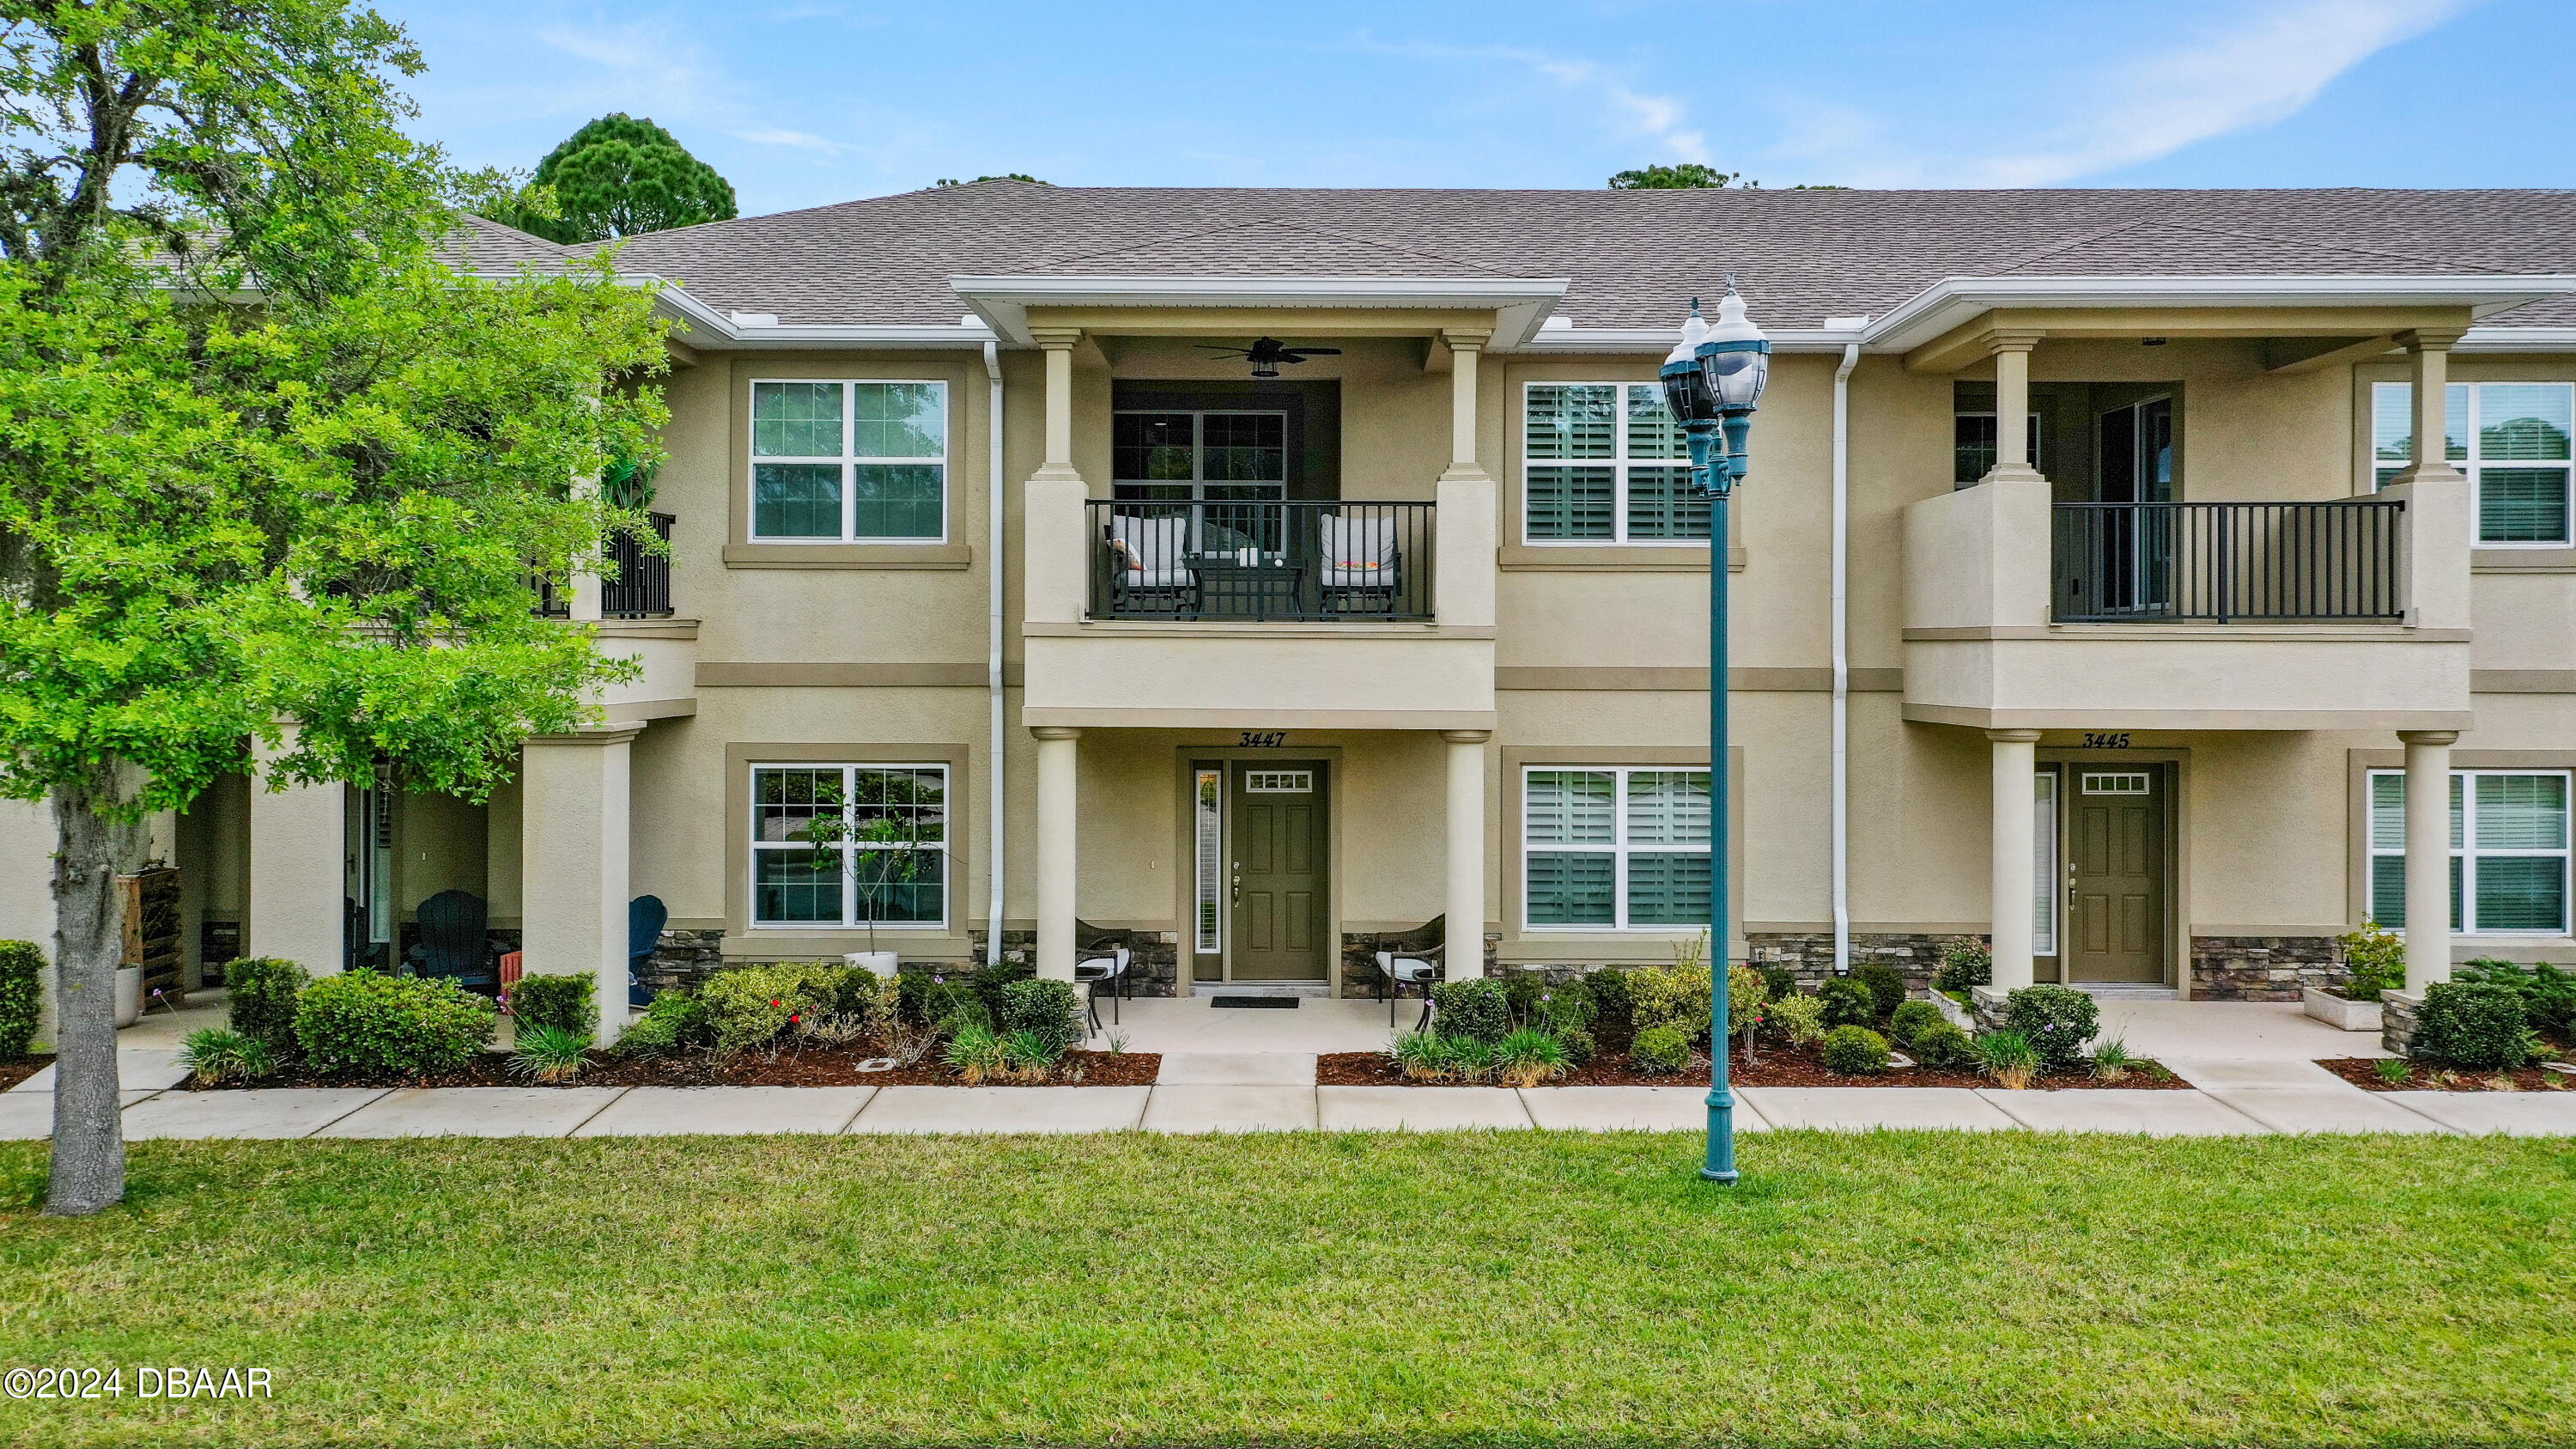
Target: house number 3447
<point x="1263" y="739"/>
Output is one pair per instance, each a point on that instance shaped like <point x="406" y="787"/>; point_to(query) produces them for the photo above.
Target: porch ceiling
<point x="1512" y="309"/>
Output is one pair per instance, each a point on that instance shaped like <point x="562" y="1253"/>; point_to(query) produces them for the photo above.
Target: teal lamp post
<point x="1712" y="382"/>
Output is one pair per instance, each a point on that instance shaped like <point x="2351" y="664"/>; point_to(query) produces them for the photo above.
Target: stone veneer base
<point x="2263" y="968"/>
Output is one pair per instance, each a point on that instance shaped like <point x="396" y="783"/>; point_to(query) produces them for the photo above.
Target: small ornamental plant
<point x="2057" y="1021"/>
<point x="1856" y="1051"/>
<point x="2376" y="959"/>
<point x="2009" y="1058"/>
<point x="1660" y="1050"/>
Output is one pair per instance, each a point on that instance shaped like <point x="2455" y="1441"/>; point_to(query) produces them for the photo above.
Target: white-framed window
<point x="1604" y="462"/>
<point x="1614" y="849"/>
<point x="2508" y="851"/>
<point x="1207" y="822"/>
<point x="849" y="462"/>
<point x="1973" y="445"/>
<point x="2511" y="438"/>
<point x="882" y="854"/>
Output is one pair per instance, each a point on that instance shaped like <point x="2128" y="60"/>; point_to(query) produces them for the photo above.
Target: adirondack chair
<point x="645" y="917"/>
<point x="453" y="943"/>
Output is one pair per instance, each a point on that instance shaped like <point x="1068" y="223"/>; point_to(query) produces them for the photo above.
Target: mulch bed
<point x="802" y="1065"/>
<point x="2363" y="1072"/>
<point x="19" y="1069"/>
<point x="1777" y="1066"/>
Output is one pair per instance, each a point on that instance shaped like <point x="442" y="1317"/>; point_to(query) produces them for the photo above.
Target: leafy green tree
<point x="1010" y="176"/>
<point x="322" y="505"/>
<point x="1681" y="176"/>
<point x="616" y="177"/>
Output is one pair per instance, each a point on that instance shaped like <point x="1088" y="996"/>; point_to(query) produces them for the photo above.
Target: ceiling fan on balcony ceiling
<point x="1265" y="354"/>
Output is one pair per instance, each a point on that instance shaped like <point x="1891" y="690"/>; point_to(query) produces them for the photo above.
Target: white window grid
<point x="2463" y="849"/>
<point x="1621" y="846"/>
<point x="848" y="460"/>
<point x="853" y="913"/>
<point x="2470" y="396"/>
<point x="2122" y="782"/>
<point x="1619" y="463"/>
<point x="1279" y="782"/>
<point x="1207" y="815"/>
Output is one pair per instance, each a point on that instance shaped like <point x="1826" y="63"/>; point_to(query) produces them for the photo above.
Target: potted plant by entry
<point x="2376" y="961"/>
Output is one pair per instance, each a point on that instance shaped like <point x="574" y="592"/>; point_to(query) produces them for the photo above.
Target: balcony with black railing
<point x="2339" y="561"/>
<point x="1269" y="561"/>
<point x="642" y="588"/>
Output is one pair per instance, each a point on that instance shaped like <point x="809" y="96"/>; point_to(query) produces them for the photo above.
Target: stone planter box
<point x="1957" y="1015"/>
<point x="2339" y="1013"/>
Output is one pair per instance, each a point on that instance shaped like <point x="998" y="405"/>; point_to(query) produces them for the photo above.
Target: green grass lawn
<point x="1472" y="1289"/>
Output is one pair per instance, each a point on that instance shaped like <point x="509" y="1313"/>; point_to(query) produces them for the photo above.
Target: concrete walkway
<point x="2213" y="1108"/>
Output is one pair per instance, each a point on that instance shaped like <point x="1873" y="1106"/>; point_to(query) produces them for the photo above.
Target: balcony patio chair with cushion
<point x="645" y="918"/>
<point x="1412" y="958"/>
<point x="454" y="943"/>
<point x="1359" y="565"/>
<point x="1101" y="964"/>
<point x="1149" y="564"/>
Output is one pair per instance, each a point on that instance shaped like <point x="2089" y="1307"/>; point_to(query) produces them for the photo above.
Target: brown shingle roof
<point x="1802" y="255"/>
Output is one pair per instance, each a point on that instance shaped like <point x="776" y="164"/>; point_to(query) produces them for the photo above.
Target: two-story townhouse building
<point x="1261" y="573"/>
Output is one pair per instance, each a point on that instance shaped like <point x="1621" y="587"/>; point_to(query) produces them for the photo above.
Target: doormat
<point x="1256" y="1003"/>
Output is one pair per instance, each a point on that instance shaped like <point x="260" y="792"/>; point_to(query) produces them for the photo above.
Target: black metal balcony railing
<point x="2229" y="562"/>
<point x="1296" y="561"/>
<point x="642" y="588"/>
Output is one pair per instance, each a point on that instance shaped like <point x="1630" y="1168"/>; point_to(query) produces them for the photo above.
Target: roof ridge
<point x="1272" y="223"/>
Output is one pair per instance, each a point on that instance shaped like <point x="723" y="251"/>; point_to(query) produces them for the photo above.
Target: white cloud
<point x="2261" y="68"/>
<point x="799" y="140"/>
<point x="645" y="66"/>
<point x="1631" y="112"/>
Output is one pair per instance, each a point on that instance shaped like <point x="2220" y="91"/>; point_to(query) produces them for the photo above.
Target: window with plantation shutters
<point x="2513" y="439"/>
<point x="1604" y="462"/>
<point x="2508" y="851"/>
<point x="1612" y="849"/>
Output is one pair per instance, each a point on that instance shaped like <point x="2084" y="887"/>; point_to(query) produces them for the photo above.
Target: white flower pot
<point x="875" y="963"/>
<point x="2339" y="1013"/>
<point x="129" y="995"/>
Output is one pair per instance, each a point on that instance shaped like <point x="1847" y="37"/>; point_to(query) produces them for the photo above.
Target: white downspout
<point x="1842" y="659"/>
<point x="997" y="790"/>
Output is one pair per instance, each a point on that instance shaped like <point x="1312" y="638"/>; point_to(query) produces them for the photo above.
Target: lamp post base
<point x="1720" y="1167"/>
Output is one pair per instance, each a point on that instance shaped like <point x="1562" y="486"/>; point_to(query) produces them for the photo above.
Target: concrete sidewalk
<point x="2289" y="1104"/>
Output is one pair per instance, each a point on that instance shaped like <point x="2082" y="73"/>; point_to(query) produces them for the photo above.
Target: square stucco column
<point x="298" y="869"/>
<point x="573" y="860"/>
<point x="2016" y="849"/>
<point x="1058" y="758"/>
<point x="2011" y="351"/>
<point x="1464" y="901"/>
<point x="2428" y="857"/>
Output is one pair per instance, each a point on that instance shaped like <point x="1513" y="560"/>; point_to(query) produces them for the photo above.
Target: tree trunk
<point x="89" y="943"/>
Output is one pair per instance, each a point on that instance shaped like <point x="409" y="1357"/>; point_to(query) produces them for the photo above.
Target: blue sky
<point x="805" y="102"/>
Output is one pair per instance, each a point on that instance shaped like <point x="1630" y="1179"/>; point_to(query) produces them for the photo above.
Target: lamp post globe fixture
<point x="1712" y="382"/>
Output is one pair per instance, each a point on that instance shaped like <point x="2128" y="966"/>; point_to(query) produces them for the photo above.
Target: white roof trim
<point x="1522" y="304"/>
<point x="1955" y="300"/>
<point x="706" y="327"/>
<point x="1660" y="340"/>
<point x="2517" y="339"/>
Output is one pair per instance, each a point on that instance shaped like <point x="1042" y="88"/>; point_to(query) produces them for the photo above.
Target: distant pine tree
<point x="616" y="177"/>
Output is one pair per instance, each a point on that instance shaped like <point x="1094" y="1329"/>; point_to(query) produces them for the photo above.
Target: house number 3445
<point x="2114" y="741"/>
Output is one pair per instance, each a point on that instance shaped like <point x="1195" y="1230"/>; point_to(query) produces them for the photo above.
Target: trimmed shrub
<point x="1564" y="1009"/>
<point x="411" y="1025"/>
<point x="1745" y="998"/>
<point x="2376" y="958"/>
<point x="1886" y="986"/>
<point x="567" y="1004"/>
<point x="1521" y="991"/>
<point x="1855" y="1051"/>
<point x="1474" y="1009"/>
<point x="1966" y="964"/>
<point x="217" y="1054"/>
<point x="1579" y="1045"/>
<point x="2056" y="1020"/>
<point x="2476" y="1025"/>
<point x="751" y="1006"/>
<point x="261" y="1004"/>
<point x="1614" y="1003"/>
<point x="1676" y="996"/>
<point x="1779" y="983"/>
<point x="22" y="965"/>
<point x="1944" y="1048"/>
<point x="1912" y="1018"/>
<point x="950" y="1005"/>
<point x="676" y="1021"/>
<point x="988" y="983"/>
<point x="2548" y="994"/>
<point x="1662" y="1050"/>
<point x="1047" y="1011"/>
<point x="1799" y="1019"/>
<point x="1848" y="1001"/>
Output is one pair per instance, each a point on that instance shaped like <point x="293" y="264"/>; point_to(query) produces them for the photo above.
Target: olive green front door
<point x="1280" y="875"/>
<point x="2115" y="857"/>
